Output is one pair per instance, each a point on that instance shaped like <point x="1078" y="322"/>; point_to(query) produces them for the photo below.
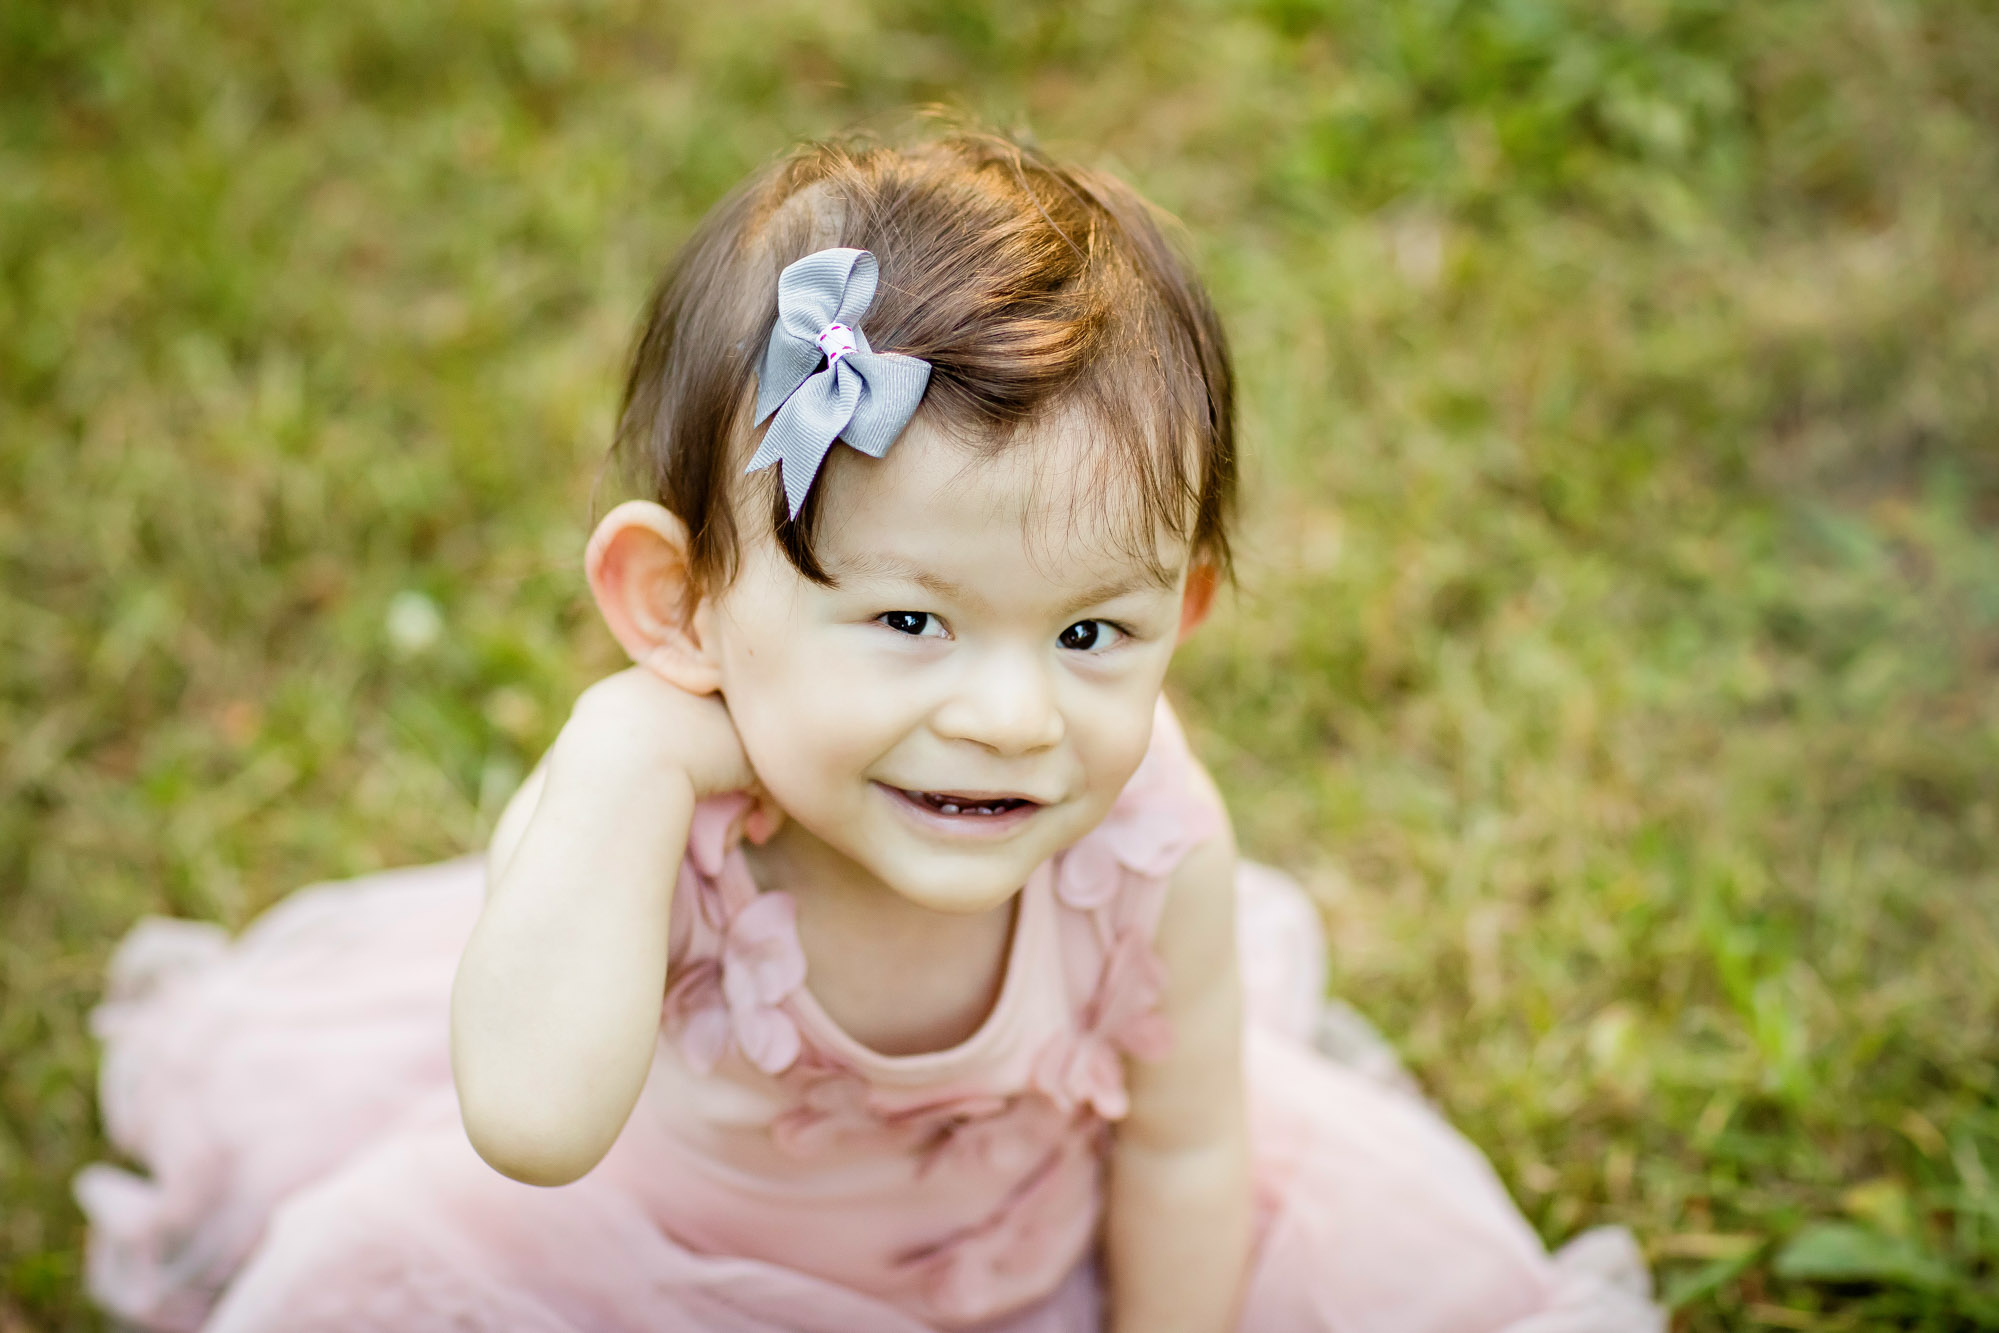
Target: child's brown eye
<point x="1085" y="635"/>
<point x="906" y="622"/>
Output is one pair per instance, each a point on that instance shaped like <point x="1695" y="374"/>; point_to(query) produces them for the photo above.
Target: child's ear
<point x="1198" y="597"/>
<point x="641" y="573"/>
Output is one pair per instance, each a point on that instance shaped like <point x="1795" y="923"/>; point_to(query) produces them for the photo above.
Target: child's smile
<point x="973" y="694"/>
<point x="964" y="813"/>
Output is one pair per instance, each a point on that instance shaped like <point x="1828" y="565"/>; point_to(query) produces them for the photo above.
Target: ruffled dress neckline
<point x="945" y="1062"/>
<point x="764" y="980"/>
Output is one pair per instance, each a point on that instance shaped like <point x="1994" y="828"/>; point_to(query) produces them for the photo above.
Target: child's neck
<point x="897" y="977"/>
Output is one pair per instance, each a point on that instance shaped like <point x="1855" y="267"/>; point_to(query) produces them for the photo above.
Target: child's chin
<point x="964" y="884"/>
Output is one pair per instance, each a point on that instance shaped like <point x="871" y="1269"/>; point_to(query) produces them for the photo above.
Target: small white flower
<point x="414" y="623"/>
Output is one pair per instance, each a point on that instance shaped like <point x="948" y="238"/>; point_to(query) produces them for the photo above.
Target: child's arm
<point x="1177" y="1230"/>
<point x="555" y="1011"/>
<point x="513" y="822"/>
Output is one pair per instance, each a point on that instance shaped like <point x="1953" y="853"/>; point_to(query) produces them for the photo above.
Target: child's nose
<point x="1005" y="701"/>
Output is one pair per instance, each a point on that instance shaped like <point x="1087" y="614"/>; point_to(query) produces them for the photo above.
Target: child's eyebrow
<point x="1154" y="576"/>
<point x="1153" y="579"/>
<point x="893" y="567"/>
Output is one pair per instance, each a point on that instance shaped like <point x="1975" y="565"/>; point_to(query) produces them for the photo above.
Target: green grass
<point x="1617" y="647"/>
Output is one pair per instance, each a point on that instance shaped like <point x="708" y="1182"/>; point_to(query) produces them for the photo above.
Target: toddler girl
<point x="866" y="958"/>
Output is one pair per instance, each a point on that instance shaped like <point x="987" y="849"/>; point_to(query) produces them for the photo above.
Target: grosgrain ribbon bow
<point x="862" y="396"/>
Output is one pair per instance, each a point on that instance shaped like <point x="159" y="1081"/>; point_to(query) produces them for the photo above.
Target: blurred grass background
<point x="1620" y="622"/>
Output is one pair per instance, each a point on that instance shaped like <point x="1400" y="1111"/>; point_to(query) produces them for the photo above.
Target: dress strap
<point x="1113" y="884"/>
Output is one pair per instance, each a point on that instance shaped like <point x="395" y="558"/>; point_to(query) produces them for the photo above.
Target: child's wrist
<point x="599" y="741"/>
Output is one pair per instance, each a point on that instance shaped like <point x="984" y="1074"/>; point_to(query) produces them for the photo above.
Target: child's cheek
<point x="1114" y="729"/>
<point x="810" y="735"/>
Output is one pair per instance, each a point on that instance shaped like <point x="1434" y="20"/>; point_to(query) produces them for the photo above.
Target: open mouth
<point x="969" y="813"/>
<point x="962" y="803"/>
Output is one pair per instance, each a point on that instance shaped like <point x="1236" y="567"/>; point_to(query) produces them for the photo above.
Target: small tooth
<point x="949" y="808"/>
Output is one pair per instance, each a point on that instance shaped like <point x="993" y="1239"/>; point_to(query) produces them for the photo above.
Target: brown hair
<point x="1028" y="286"/>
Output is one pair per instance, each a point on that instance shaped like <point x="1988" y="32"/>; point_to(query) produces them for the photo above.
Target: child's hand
<point x="635" y="720"/>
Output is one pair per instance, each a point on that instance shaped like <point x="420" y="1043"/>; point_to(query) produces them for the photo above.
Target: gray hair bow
<point x="863" y="396"/>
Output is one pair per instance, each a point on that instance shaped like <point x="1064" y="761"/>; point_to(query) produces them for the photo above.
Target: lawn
<point x="1616" y="654"/>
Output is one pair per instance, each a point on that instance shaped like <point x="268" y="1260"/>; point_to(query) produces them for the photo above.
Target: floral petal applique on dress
<point x="762" y="965"/>
<point x="968" y="1273"/>
<point x="713" y="832"/>
<point x="1122" y="1018"/>
<point x="1090" y="875"/>
<point x="694" y="1004"/>
<point x="839" y="1108"/>
<point x="736" y="996"/>
<point x="1116" y="876"/>
<point x="739" y="998"/>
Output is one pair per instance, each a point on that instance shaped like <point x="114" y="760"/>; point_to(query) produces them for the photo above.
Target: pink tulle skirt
<point x="289" y="1097"/>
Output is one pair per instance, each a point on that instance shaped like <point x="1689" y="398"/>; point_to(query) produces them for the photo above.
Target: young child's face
<point x="974" y="693"/>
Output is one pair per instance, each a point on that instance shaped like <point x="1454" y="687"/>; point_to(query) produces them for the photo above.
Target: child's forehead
<point x="1041" y="506"/>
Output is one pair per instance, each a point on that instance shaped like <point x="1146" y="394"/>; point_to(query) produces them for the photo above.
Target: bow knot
<point x="859" y="395"/>
<point x="836" y="340"/>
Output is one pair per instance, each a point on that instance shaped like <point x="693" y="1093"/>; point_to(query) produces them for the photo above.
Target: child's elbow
<point x="538" y="1104"/>
<point x="534" y="1142"/>
<point x="537" y="1124"/>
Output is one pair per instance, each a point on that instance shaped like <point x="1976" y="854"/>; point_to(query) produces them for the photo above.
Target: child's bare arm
<point x="1178" y="1226"/>
<point x="513" y="821"/>
<point x="555" y="1010"/>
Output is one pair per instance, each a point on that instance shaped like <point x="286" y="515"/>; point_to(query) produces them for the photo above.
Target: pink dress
<point x="291" y="1097"/>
